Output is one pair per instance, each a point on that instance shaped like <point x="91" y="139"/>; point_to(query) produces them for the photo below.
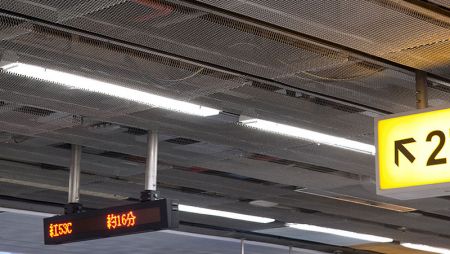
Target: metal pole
<point x="74" y="178"/>
<point x="421" y="90"/>
<point x="151" y="170"/>
<point x="242" y="246"/>
<point x="290" y="249"/>
<point x="152" y="161"/>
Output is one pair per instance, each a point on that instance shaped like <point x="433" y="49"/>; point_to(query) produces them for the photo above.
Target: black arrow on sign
<point x="399" y="146"/>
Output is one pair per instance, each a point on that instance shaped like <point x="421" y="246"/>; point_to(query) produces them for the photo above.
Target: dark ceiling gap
<point x="307" y="166"/>
<point x="309" y="98"/>
<point x="34" y="111"/>
<point x="40" y="165"/>
<point x="182" y="141"/>
<point x="136" y="131"/>
<point x="206" y="171"/>
<point x="440" y="87"/>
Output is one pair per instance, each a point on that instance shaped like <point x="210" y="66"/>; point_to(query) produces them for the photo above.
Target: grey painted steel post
<point x="152" y="161"/>
<point x="74" y="178"/>
<point x="242" y="246"/>
<point x="290" y="249"/>
<point x="421" y="90"/>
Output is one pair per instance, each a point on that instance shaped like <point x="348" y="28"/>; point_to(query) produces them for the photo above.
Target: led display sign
<point x="413" y="154"/>
<point x="114" y="221"/>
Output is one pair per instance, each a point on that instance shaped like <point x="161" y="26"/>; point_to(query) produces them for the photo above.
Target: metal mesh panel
<point x="30" y="120"/>
<point x="42" y="45"/>
<point x="433" y="56"/>
<point x="58" y="11"/>
<point x="380" y="27"/>
<point x="367" y="83"/>
<point x="211" y="38"/>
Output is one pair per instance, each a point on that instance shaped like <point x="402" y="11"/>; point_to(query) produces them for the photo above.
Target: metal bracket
<point x="73" y="208"/>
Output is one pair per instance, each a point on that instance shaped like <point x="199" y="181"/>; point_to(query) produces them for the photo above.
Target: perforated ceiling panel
<point x="196" y="34"/>
<point x="400" y="31"/>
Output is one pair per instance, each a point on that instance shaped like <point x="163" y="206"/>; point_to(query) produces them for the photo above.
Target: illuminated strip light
<point x="308" y="135"/>
<point x="96" y="86"/>
<point x="229" y="215"/>
<point x="338" y="232"/>
<point x="425" y="248"/>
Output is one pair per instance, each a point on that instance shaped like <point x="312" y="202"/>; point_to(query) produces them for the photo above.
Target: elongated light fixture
<point x="307" y="135"/>
<point x="229" y="215"/>
<point x="425" y="248"/>
<point x="343" y="233"/>
<point x="97" y="86"/>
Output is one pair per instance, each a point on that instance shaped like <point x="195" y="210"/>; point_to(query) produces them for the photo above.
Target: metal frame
<point x="429" y="190"/>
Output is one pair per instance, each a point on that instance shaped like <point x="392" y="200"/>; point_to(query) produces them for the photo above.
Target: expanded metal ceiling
<point x="394" y="30"/>
<point x="330" y="66"/>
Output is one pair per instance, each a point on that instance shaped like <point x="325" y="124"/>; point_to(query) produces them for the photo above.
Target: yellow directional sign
<point x="413" y="154"/>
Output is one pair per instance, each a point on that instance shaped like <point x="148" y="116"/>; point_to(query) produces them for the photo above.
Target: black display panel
<point x="114" y="221"/>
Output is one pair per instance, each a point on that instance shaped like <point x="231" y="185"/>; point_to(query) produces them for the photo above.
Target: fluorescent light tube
<point x="230" y="215"/>
<point x="425" y="248"/>
<point x="97" y="86"/>
<point x="307" y="135"/>
<point x="338" y="232"/>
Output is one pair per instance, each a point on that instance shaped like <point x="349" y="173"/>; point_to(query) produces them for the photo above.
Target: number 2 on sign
<point x="432" y="160"/>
